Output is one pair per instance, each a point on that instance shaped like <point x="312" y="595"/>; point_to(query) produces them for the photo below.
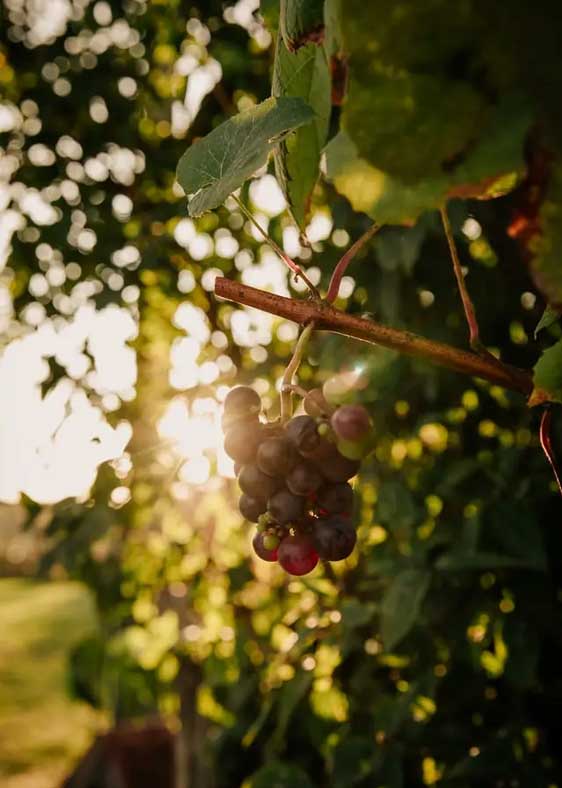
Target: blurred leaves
<point x="401" y="605"/>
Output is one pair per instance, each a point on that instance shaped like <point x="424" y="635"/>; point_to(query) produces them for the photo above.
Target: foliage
<point x="433" y="655"/>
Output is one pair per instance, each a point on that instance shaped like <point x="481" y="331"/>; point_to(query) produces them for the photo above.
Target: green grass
<point x="43" y="730"/>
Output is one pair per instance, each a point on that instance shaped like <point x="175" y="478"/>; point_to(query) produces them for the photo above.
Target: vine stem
<point x="328" y="318"/>
<point x="341" y="267"/>
<point x="293" y="365"/>
<point x="546" y="444"/>
<point x="468" y="306"/>
<point x="289" y="262"/>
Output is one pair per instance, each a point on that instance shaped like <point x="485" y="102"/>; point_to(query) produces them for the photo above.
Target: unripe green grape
<point x="270" y="541"/>
<point x="354" y="450"/>
<point x="337" y="390"/>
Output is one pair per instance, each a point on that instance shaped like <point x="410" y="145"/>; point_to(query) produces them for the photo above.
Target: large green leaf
<point x="303" y="74"/>
<point x="383" y="198"/>
<point x="213" y="167"/>
<point x="301" y="22"/>
<point x="546" y="264"/>
<point x="547" y="376"/>
<point x="401" y="605"/>
<point x="396" y="509"/>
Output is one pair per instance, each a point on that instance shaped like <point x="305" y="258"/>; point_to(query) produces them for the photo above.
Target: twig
<point x="341" y="267"/>
<point x="546" y="443"/>
<point x="468" y="306"/>
<point x="289" y="262"/>
<point x="292" y="366"/>
<point x="327" y="318"/>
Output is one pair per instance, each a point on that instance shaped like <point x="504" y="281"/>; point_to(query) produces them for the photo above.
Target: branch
<point x="327" y="318"/>
<point x="289" y="262"/>
<point x="468" y="306"/>
<point x="341" y="267"/>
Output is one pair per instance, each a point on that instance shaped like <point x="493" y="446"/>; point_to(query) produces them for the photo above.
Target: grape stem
<point x="342" y="265"/>
<point x="292" y="367"/>
<point x="289" y="262"/>
<point x="546" y="444"/>
<point x="475" y="342"/>
<point x="328" y="318"/>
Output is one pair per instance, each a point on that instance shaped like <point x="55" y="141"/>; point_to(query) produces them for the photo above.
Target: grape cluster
<point x="294" y="477"/>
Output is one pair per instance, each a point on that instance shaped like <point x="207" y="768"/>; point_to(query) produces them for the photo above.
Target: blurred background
<point x="134" y="624"/>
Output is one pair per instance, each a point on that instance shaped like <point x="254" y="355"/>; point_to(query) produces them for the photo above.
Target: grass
<point x="43" y="730"/>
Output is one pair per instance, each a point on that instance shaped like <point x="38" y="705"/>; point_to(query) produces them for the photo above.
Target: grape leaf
<point x="547" y="377"/>
<point x="301" y="22"/>
<point x="297" y="159"/>
<point x="383" y="198"/>
<point x="549" y="317"/>
<point x="213" y="167"/>
<point x="401" y="605"/>
<point x="546" y="265"/>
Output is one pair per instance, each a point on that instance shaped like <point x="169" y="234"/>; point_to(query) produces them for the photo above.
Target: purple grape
<point x="242" y="400"/>
<point x="257" y="484"/>
<point x="339" y="469"/>
<point x="334" y="538"/>
<point x="297" y="555"/>
<point x="276" y="456"/>
<point x="303" y="432"/>
<point x="315" y="404"/>
<point x="251" y="508"/>
<point x="284" y="507"/>
<point x="241" y="442"/>
<point x="335" y="498"/>
<point x="351" y="422"/>
<point x="304" y="479"/>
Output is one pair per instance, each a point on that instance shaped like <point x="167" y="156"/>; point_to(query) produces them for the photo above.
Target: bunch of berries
<point x="294" y="477"/>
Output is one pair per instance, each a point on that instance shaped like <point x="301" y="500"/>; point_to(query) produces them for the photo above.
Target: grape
<point x="271" y="541"/>
<point x="335" y="498"/>
<point x="241" y="442"/>
<point x="257" y="484"/>
<point x="353" y="450"/>
<point x="297" y="555"/>
<point x="339" y="469"/>
<point x="242" y="400"/>
<point x="284" y="507"/>
<point x="276" y="456"/>
<point x="315" y="404"/>
<point x="261" y="550"/>
<point x="303" y="432"/>
<point x="304" y="479"/>
<point x="351" y="422"/>
<point x="251" y="508"/>
<point x="338" y="389"/>
<point x="334" y="538"/>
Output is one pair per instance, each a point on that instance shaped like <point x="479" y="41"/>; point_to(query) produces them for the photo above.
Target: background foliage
<point x="432" y="656"/>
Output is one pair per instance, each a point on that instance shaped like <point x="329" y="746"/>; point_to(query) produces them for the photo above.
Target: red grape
<point x="242" y="400"/>
<point x="297" y="555"/>
<point x="241" y="442"/>
<point x="351" y="422"/>
<point x="335" y="498"/>
<point x="339" y="469"/>
<point x="261" y="551"/>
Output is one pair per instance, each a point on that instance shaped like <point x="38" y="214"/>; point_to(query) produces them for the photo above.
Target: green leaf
<point x="549" y="317"/>
<point x="547" y="376"/>
<point x="280" y="775"/>
<point x="396" y="508"/>
<point x="401" y="605"/>
<point x="546" y="264"/>
<point x="383" y="198"/>
<point x="303" y="74"/>
<point x="215" y="166"/>
<point x="353" y="761"/>
<point x="301" y="22"/>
